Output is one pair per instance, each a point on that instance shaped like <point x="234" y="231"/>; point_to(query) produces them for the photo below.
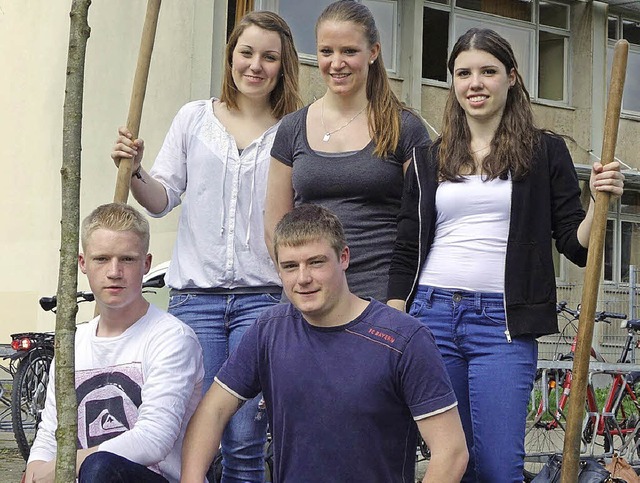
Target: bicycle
<point x="31" y="361"/>
<point x="34" y="352"/>
<point x="618" y="418"/>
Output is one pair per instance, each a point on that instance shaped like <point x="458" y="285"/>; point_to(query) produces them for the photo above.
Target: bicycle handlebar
<point x="50" y="303"/>
<point x="599" y="316"/>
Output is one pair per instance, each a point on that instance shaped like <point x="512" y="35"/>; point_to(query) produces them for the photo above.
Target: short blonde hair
<point x="116" y="217"/>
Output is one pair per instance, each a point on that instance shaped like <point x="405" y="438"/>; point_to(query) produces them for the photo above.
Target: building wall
<point x="186" y="65"/>
<point x="34" y="42"/>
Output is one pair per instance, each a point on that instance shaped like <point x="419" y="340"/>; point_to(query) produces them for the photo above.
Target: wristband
<point x="137" y="174"/>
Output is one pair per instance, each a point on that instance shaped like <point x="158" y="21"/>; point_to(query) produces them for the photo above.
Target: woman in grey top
<point x="348" y="150"/>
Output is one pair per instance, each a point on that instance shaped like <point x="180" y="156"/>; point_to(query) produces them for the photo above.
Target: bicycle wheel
<point x="27" y="397"/>
<point x="623" y="426"/>
<point x="545" y="422"/>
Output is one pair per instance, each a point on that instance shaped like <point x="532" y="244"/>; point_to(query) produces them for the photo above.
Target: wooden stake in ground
<point x="123" y="182"/>
<point x="66" y="434"/>
<point x="575" y="409"/>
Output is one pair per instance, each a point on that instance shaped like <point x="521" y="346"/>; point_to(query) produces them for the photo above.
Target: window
<point x="537" y="30"/>
<point x="301" y="16"/>
<point x="623" y="28"/>
<point x="622" y="242"/>
<point x="622" y="236"/>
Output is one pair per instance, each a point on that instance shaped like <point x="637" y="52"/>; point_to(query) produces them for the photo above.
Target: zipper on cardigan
<point x="417" y="274"/>
<point x="506" y="321"/>
<point x="504" y="291"/>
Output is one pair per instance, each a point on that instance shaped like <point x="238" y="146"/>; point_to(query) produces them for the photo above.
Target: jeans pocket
<point x="417" y="308"/>
<point x="494" y="314"/>
<point x="176" y="301"/>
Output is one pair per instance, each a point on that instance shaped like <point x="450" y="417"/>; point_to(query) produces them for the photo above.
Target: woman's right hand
<point x="127" y="147"/>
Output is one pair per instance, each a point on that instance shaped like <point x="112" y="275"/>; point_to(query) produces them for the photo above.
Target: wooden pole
<point x="123" y="182"/>
<point x="123" y="179"/>
<point x="575" y="409"/>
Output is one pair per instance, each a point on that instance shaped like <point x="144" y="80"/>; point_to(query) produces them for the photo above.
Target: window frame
<point x="534" y="26"/>
<point x="614" y="214"/>
<point x="633" y="49"/>
<point x="392" y="64"/>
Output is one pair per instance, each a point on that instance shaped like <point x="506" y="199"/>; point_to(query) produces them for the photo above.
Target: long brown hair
<point x="516" y="136"/>
<point x="384" y="107"/>
<point x="285" y="97"/>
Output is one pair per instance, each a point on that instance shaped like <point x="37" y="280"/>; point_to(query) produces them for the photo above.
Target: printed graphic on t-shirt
<point x="108" y="402"/>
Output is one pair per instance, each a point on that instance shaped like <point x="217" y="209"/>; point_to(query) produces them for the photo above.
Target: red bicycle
<point x="613" y="427"/>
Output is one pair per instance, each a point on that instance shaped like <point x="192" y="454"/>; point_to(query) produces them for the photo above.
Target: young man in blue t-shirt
<point x="345" y="380"/>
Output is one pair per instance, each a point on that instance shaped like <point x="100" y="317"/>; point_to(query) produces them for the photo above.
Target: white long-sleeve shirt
<point x="220" y="241"/>
<point x="136" y="392"/>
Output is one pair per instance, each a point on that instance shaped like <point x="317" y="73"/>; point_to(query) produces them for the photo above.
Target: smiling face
<point x="481" y="84"/>
<point x="256" y="62"/>
<point x="313" y="278"/>
<point x="115" y="262"/>
<point x="344" y="56"/>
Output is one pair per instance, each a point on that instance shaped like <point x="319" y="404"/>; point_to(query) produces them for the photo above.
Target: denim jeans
<point x="105" y="467"/>
<point x="219" y="321"/>
<point x="492" y="378"/>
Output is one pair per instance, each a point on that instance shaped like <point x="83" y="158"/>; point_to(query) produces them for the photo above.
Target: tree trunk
<point x="66" y="434"/>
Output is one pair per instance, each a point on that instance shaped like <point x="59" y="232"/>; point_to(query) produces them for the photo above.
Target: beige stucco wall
<point x="33" y="51"/>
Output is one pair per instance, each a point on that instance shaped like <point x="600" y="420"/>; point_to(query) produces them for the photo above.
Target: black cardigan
<point x="545" y="204"/>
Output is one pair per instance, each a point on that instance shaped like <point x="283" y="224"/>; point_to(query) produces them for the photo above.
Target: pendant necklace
<point x="327" y="134"/>
<point x="481" y="149"/>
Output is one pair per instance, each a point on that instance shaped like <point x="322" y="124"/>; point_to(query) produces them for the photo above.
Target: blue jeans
<point x="492" y="378"/>
<point x="219" y="321"/>
<point x="105" y="467"/>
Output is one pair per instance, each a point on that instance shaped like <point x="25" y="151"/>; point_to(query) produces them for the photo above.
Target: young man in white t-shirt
<point x="138" y="370"/>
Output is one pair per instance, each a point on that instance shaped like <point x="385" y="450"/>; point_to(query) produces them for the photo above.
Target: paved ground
<point x="11" y="463"/>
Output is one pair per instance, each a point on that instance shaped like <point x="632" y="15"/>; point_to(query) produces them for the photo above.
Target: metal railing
<point x="608" y="338"/>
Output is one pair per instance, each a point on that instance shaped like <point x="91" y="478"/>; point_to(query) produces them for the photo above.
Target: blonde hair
<point x="384" y="107"/>
<point x="116" y="217"/>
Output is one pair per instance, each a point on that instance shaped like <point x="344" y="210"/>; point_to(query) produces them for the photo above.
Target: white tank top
<point x="470" y="244"/>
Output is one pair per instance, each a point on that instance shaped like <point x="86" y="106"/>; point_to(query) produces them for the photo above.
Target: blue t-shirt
<point x="341" y="400"/>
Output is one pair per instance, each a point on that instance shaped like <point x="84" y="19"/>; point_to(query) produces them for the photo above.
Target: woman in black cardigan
<point x="473" y="257"/>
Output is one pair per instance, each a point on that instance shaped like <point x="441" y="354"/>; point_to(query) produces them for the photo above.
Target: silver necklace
<point x="327" y="133"/>
<point x="481" y="149"/>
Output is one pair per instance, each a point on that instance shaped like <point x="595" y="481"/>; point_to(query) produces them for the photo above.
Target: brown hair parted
<point x="285" y="97"/>
<point x="384" y="106"/>
<point x="516" y="136"/>
<point x="116" y="217"/>
<point x="307" y="223"/>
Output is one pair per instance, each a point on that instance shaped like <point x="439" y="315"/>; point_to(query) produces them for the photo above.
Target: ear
<point x="82" y="263"/>
<point x="375" y="52"/>
<point x="512" y="78"/>
<point x="345" y="256"/>
<point x="147" y="263"/>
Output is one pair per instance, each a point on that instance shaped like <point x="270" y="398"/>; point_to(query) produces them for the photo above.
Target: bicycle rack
<point x="628" y="444"/>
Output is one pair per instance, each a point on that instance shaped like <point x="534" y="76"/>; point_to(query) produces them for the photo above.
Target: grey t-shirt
<point x="363" y="190"/>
